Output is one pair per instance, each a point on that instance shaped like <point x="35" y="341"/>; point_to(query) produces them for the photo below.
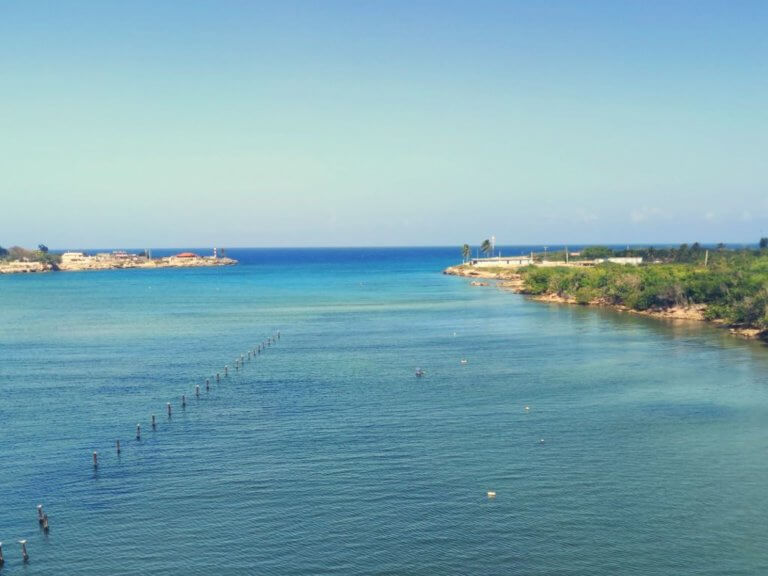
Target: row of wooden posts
<point x="42" y="517"/>
<point x="239" y="363"/>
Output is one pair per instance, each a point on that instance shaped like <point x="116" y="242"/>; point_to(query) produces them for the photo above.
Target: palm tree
<point x="466" y="252"/>
<point x="485" y="247"/>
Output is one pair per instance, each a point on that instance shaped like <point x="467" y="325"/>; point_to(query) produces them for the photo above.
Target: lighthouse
<point x="215" y="253"/>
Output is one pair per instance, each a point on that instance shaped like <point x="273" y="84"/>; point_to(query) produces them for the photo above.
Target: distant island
<point x="721" y="285"/>
<point x="17" y="260"/>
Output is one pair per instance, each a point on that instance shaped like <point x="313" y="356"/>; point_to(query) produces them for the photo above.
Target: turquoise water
<point x="325" y="455"/>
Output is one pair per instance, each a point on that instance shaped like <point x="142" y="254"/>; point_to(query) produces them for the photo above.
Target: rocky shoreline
<point x="112" y="263"/>
<point x="512" y="281"/>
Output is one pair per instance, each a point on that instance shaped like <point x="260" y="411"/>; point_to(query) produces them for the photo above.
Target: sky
<point x="323" y="123"/>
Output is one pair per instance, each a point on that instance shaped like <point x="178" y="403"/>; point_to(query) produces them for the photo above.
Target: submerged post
<point x="218" y="378"/>
<point x="24" y="554"/>
<point x="45" y="524"/>
<point x="154" y="422"/>
<point x="168" y="406"/>
<point x="207" y="385"/>
<point x="117" y="446"/>
<point x="183" y="401"/>
<point x="138" y="431"/>
<point x="2" y="560"/>
<point x="197" y="390"/>
<point x="40" y="513"/>
<point x="95" y="459"/>
<point x="226" y="370"/>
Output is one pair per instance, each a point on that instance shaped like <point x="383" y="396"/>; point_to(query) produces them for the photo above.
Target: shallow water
<point x="325" y="455"/>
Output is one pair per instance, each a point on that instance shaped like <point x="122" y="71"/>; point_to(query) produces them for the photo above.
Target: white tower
<point x="214" y="253"/>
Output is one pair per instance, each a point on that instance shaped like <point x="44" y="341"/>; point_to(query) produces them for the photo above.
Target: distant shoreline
<point x="511" y="281"/>
<point x="80" y="262"/>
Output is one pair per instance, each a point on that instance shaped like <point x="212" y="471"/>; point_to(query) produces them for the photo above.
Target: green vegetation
<point x="17" y="253"/>
<point x="466" y="252"/>
<point x="486" y="247"/>
<point x="733" y="284"/>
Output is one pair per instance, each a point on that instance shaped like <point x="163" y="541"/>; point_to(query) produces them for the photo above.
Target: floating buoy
<point x="464" y="360"/>
<point x="168" y="407"/>
<point x="197" y="390"/>
<point x="541" y="440"/>
<point x="207" y="385"/>
<point x="527" y="408"/>
<point x="95" y="459"/>
<point x="40" y="513"/>
<point x="491" y="494"/>
<point x="138" y="431"/>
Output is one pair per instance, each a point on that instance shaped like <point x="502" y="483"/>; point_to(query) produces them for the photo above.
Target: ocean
<point x="642" y="451"/>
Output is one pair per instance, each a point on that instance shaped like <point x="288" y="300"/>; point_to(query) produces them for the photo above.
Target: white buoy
<point x="168" y="407"/>
<point x="24" y="554"/>
<point x="541" y="440"/>
<point x="463" y="360"/>
<point x="527" y="408"/>
<point x="491" y="494"/>
<point x="197" y="390"/>
<point x="40" y="513"/>
<point x="138" y="431"/>
<point x="95" y="459"/>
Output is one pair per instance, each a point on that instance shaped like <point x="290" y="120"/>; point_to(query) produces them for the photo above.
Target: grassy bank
<point x="733" y="286"/>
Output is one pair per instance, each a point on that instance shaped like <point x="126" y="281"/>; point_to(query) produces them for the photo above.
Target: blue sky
<point x="382" y="123"/>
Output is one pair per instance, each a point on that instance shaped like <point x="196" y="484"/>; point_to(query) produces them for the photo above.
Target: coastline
<point x="511" y="281"/>
<point x="91" y="264"/>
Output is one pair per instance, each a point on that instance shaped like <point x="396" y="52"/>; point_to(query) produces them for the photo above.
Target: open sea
<point x="644" y="450"/>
